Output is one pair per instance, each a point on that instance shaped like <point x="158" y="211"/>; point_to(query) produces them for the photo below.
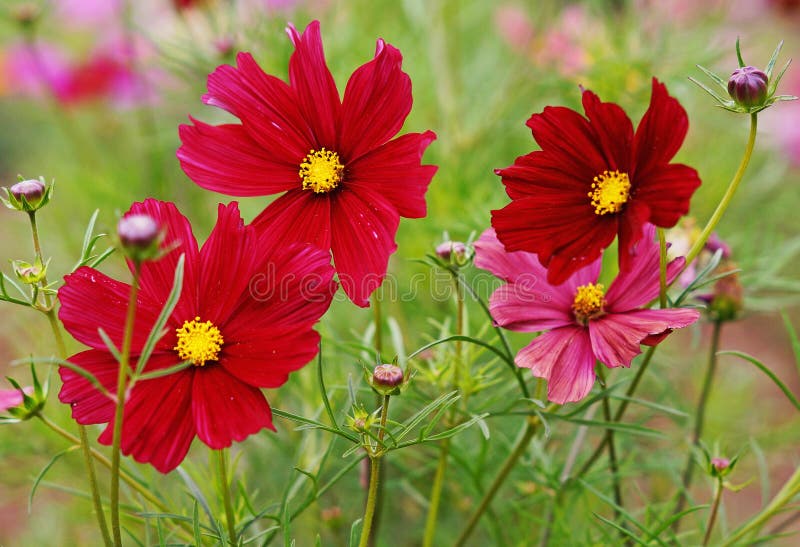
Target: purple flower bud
<point x="32" y="190"/>
<point x="748" y="86"/>
<point x="720" y="464"/>
<point x="138" y="232"/>
<point x="387" y="375"/>
<point x="449" y="248"/>
<point x="714" y="244"/>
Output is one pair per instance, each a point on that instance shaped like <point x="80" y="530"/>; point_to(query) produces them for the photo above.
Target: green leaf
<point x="44" y="471"/>
<point x="710" y="267"/>
<point x="112" y="348"/>
<point x="66" y="364"/>
<point x="739" y="53"/>
<point x="443" y="400"/>
<point x="719" y="81"/>
<point x="355" y="532"/>
<point x="314" y="424"/>
<point x="763" y="368"/>
<point x="157" y="331"/>
<point x="621" y="529"/>
<point x="165" y="371"/>
<point x="793" y="338"/>
<point x="773" y="60"/>
<point x="323" y="391"/>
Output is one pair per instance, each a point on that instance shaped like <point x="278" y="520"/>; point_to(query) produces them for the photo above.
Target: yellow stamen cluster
<point x="198" y="342"/>
<point x="610" y="191"/>
<point x="589" y="302"/>
<point x="321" y="171"/>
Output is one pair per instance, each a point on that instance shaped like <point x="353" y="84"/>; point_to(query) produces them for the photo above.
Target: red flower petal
<point x="630" y="232"/>
<point x="616" y="337"/>
<point x="364" y="226"/>
<point x="393" y="170"/>
<point x="564" y="357"/>
<point x="266" y="105"/>
<point x="157" y="276"/>
<point x="266" y="358"/>
<point x="313" y="84"/>
<point x="157" y="426"/>
<point x="297" y="216"/>
<point x="225" y="409"/>
<point x="91" y="300"/>
<point x="614" y="131"/>
<point x="89" y="405"/>
<point x="667" y="192"/>
<point x="227" y="263"/>
<point x="376" y="102"/>
<point x="545" y="175"/>
<point x="225" y="159"/>
<point x="293" y="286"/>
<point x="660" y="133"/>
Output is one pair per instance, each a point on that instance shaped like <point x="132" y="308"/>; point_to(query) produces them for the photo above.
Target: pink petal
<point x="313" y="85"/>
<point x="564" y="357"/>
<point x="492" y="256"/>
<point x="225" y="409"/>
<point x="225" y="159"/>
<point x="616" y="337"/>
<point x="267" y="106"/>
<point x="91" y="300"/>
<point x="227" y="264"/>
<point x="89" y="405"/>
<point x="157" y="276"/>
<point x="9" y="398"/>
<point x="523" y="308"/>
<point x="364" y="226"/>
<point x="640" y="285"/>
<point x="157" y="426"/>
<point x="266" y="358"/>
<point x="393" y="170"/>
<point x="376" y="102"/>
<point x="297" y="216"/>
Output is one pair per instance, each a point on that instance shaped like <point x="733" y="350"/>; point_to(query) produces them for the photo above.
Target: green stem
<point x="662" y="267"/>
<point x="375" y="457"/>
<point x="122" y="377"/>
<point x="225" y="492"/>
<point x="699" y="420"/>
<point x="377" y="508"/>
<point x="378" y="340"/>
<point x="62" y="352"/>
<point x="786" y="494"/>
<point x="712" y="518"/>
<point x="728" y="196"/>
<point x="613" y="468"/>
<point x="508" y="465"/>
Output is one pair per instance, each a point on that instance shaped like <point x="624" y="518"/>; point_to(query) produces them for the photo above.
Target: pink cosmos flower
<point x="9" y="398"/>
<point x="345" y="179"/>
<point x="582" y="322"/>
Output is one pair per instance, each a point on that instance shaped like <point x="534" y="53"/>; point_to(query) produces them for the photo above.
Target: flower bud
<point x="726" y="301"/>
<point x="450" y="249"/>
<point x="30" y="274"/>
<point x="387" y="376"/>
<point x="719" y="467"/>
<point x="140" y="236"/>
<point x="27" y="14"/>
<point x="747" y="86"/>
<point x="27" y="195"/>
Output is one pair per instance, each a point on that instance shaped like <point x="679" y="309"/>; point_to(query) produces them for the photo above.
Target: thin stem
<point x="623" y="405"/>
<point x="662" y="265"/>
<point x="508" y="465"/>
<point x="712" y="518"/>
<point x="612" y="453"/>
<point x="378" y="496"/>
<point x="122" y="377"/>
<point x="62" y="353"/>
<point x="728" y="196"/>
<point x="375" y="457"/>
<point x="225" y="492"/>
<point x="378" y="340"/>
<point x="699" y="420"/>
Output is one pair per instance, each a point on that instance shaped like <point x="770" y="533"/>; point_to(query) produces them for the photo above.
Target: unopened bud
<point x="387" y="376"/>
<point x="747" y="86"/>
<point x="140" y="236"/>
<point x="719" y="467"/>
<point x="727" y="299"/>
<point x="27" y="195"/>
<point x="30" y="274"/>
<point x="451" y="249"/>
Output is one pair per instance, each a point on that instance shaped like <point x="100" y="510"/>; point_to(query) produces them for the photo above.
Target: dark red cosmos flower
<point x="244" y="320"/>
<point x="346" y="183"/>
<point x="595" y="179"/>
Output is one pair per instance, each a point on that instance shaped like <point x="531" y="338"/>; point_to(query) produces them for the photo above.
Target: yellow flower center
<point x="198" y="342"/>
<point x="321" y="171"/>
<point x="610" y="191"/>
<point x="589" y="302"/>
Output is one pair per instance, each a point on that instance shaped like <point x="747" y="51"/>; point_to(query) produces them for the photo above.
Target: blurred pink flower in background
<point x="87" y="13"/>
<point x="9" y="398"/>
<point x="785" y="128"/>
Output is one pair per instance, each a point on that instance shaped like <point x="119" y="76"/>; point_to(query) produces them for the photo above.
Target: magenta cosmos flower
<point x="583" y="322"/>
<point x="594" y="179"/>
<point x="244" y="320"/>
<point x="344" y="182"/>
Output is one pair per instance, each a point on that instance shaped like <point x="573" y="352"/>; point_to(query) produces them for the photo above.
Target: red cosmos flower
<point x="584" y="323"/>
<point x="244" y="320"/>
<point x="346" y="183"/>
<point x="593" y="179"/>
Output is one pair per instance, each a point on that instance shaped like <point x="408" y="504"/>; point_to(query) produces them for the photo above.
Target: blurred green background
<point x="97" y="106"/>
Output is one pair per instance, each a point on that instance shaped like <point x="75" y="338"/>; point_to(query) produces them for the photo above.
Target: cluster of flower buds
<point x="28" y="195"/>
<point x="748" y="89"/>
